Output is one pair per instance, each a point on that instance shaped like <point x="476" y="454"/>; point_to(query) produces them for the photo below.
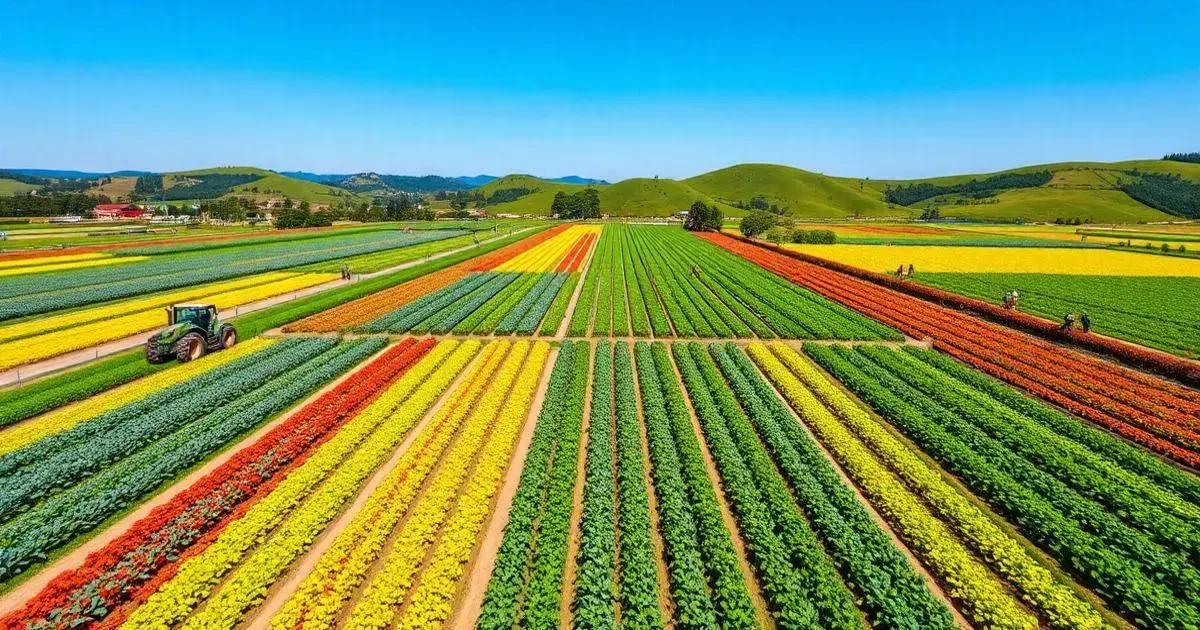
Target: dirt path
<point x="765" y="619"/>
<point x="17" y="597"/>
<point x="284" y="587"/>
<point x="61" y="362"/>
<point x="479" y="570"/>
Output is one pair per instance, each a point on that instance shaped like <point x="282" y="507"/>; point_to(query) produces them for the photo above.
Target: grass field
<point x="12" y="186"/>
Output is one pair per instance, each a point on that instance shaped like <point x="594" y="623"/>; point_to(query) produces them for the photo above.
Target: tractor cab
<point x="192" y="331"/>
<point x="196" y="314"/>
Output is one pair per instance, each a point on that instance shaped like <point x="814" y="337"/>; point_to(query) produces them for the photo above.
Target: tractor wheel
<point x="152" y="355"/>
<point x="190" y="347"/>
<point x="228" y="336"/>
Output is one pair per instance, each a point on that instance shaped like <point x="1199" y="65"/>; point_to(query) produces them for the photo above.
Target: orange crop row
<point x="365" y="309"/>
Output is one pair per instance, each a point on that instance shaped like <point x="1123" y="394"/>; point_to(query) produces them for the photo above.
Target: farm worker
<point x="696" y="271"/>
<point x="900" y="271"/>
<point x="910" y="270"/>
<point x="345" y="272"/>
<point x="1086" y="322"/>
<point x="1015" y="296"/>
<point x="1008" y="299"/>
<point x="1068" y="322"/>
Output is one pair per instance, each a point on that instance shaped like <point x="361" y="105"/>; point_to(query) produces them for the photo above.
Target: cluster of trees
<point x="206" y="186"/>
<point x="1193" y="157"/>
<point x="461" y="199"/>
<point x="504" y="195"/>
<point x="915" y="193"/>
<point x="758" y="202"/>
<point x="49" y="205"/>
<point x="584" y="204"/>
<point x="1169" y="193"/>
<point x="301" y="216"/>
<point x="703" y="217"/>
<point x="228" y="208"/>
<point x="404" y="207"/>
<point x="779" y="229"/>
<point x="1071" y="221"/>
<point x="147" y="186"/>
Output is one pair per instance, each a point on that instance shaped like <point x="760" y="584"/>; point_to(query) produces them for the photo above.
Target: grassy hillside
<point x="797" y="192"/>
<point x="536" y="202"/>
<point x="11" y="187"/>
<point x="1084" y="190"/>
<point x="629" y="198"/>
<point x="654" y="197"/>
<point x="271" y="184"/>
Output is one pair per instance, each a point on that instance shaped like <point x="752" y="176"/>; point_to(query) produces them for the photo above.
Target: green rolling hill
<point x="640" y="196"/>
<point x="796" y="192"/>
<point x="268" y="184"/>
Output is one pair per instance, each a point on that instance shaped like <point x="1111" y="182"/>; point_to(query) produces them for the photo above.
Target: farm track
<point x="66" y="361"/>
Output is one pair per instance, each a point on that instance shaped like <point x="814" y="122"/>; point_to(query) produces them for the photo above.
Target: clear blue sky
<point x="612" y="90"/>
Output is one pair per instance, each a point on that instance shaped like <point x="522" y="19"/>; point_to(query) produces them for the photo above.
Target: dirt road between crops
<point x="24" y="373"/>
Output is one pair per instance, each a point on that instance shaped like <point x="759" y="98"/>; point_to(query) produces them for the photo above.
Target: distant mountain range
<point x="380" y="183"/>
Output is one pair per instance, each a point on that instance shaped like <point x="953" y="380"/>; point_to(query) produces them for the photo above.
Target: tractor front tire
<point x="152" y="355"/>
<point x="228" y="336"/>
<point x="190" y="347"/>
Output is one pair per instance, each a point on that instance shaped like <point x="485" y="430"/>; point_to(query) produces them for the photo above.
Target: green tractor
<point x="192" y="331"/>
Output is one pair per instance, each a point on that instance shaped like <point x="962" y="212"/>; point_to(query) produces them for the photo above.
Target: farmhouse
<point x="118" y="211"/>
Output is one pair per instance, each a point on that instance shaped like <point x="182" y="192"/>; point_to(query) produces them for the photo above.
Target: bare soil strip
<point x="17" y="597"/>
<point x="479" y="569"/>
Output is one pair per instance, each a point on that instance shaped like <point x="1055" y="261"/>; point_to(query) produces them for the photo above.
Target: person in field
<point x="900" y="271"/>
<point x="1068" y="322"/>
<point x="1085" y="322"/>
<point x="910" y="270"/>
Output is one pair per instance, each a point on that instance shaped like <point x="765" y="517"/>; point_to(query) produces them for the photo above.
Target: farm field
<point x="593" y="425"/>
<point x="660" y="281"/>
<point x="1148" y="299"/>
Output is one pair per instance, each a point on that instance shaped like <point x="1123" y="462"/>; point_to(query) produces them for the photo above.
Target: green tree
<point x="757" y="222"/>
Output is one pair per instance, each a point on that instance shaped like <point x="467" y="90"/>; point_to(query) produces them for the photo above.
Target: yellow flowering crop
<point x="68" y="265"/>
<point x="63" y="418"/>
<point x="961" y="259"/>
<point x="546" y="255"/>
<point x="29" y="349"/>
<point x="48" y="260"/>
<point x="285" y="521"/>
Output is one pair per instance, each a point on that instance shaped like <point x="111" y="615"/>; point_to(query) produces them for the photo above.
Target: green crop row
<point x="1140" y="577"/>
<point x="707" y="582"/>
<point x="799" y="581"/>
<point x="526" y="583"/>
<point x="595" y="586"/>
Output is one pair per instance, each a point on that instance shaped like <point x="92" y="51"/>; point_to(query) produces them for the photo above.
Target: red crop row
<point x="1151" y="411"/>
<point x="130" y="567"/>
<point x="1155" y="360"/>
<point x="575" y="257"/>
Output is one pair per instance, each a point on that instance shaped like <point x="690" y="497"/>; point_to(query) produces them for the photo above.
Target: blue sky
<point x="612" y="90"/>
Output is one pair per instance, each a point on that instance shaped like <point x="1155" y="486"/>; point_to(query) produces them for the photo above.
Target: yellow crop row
<point x="387" y="591"/>
<point x="48" y="260"/>
<point x="65" y="266"/>
<point x="63" y="418"/>
<point x="433" y="599"/>
<point x="305" y="498"/>
<point x="963" y="259"/>
<point x="50" y="344"/>
<point x="546" y="255"/>
<point x="901" y="485"/>
<point x="126" y="307"/>
<point x="319" y="600"/>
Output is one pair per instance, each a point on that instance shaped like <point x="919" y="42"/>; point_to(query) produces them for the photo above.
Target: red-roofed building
<point x="118" y="211"/>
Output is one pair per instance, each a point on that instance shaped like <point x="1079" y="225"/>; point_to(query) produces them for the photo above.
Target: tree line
<point x="1193" y="157"/>
<point x="914" y="193"/>
<point x="1169" y="193"/>
<point x="49" y="205"/>
<point x="777" y="229"/>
